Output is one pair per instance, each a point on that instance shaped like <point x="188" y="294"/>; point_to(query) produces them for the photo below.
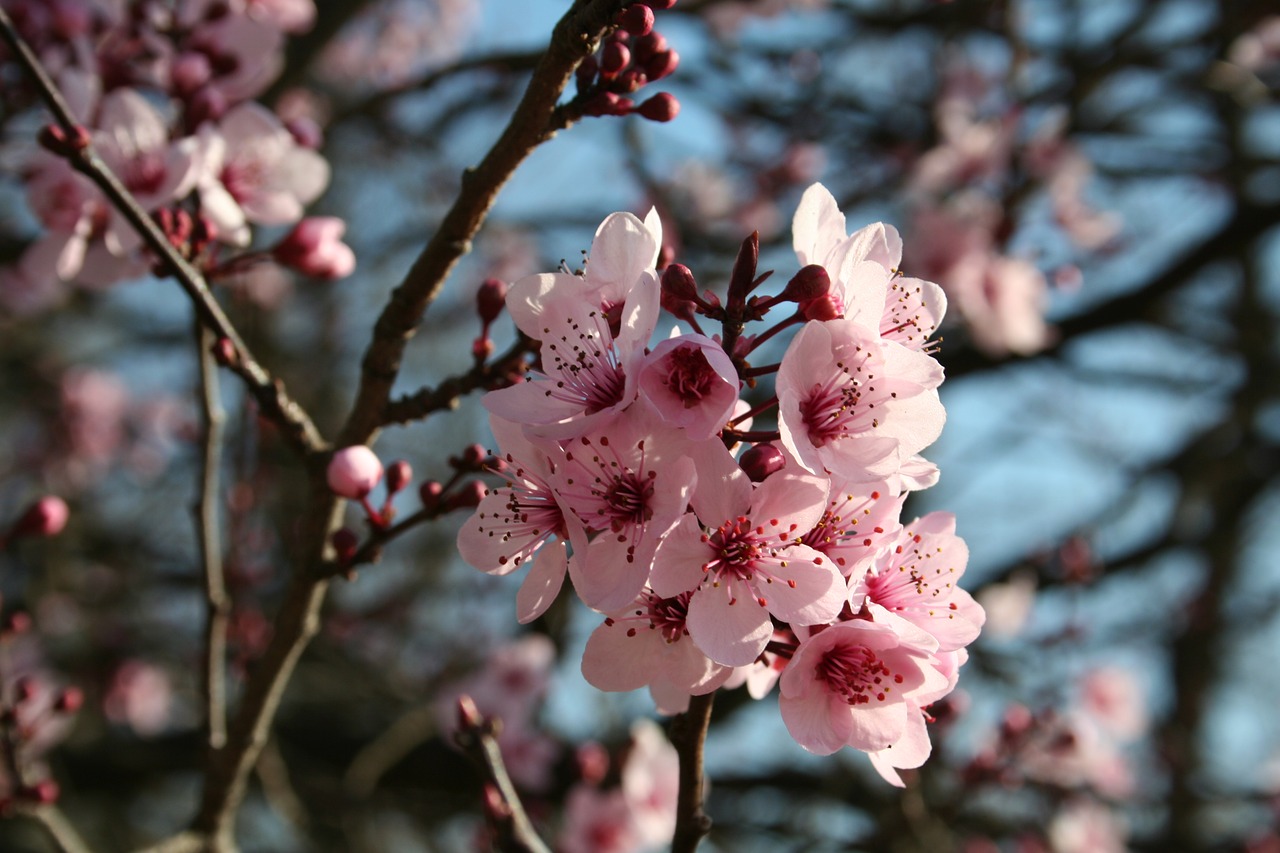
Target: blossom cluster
<point x="730" y="535"/>
<point x="164" y="94"/>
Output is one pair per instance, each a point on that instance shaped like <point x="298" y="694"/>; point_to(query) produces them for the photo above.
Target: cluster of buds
<point x="314" y="248"/>
<point x="630" y="58"/>
<point x="190" y="236"/>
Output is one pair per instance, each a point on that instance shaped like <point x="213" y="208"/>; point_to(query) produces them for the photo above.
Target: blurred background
<point x="1096" y="186"/>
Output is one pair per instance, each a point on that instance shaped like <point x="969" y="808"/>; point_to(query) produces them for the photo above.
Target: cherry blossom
<point x="691" y="383"/>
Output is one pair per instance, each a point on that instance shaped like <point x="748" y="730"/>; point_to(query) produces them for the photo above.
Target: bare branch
<point x="688" y="735"/>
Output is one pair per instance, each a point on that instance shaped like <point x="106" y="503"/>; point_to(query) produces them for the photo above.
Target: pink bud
<point x="45" y="517"/>
<point x="469" y="716"/>
<point x="314" y="247"/>
<point x="69" y="700"/>
<point x="614" y="58"/>
<point x="44" y="792"/>
<point x="593" y="762"/>
<point x="491" y="299"/>
<point x="819" y="309"/>
<point x="469" y="496"/>
<point x="399" y="473"/>
<point x="636" y="19"/>
<point x="473" y="455"/>
<point x="678" y="281"/>
<point x="761" y="461"/>
<point x="305" y="131"/>
<point x="429" y="493"/>
<point x="189" y="72"/>
<point x="224" y="352"/>
<point x="16" y="623"/>
<point x="661" y="107"/>
<point x="646" y="47"/>
<point x="606" y="104"/>
<point x="354" y="471"/>
<point x="811" y="282"/>
<point x="208" y="104"/>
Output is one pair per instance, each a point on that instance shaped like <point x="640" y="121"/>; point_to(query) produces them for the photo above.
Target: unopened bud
<point x="345" y="543"/>
<point x="636" y="19"/>
<point x="224" y="352"/>
<point x="354" y="471"/>
<point x="743" y="278"/>
<point x="491" y="299"/>
<point x="678" y="281"/>
<point x="820" y="309"/>
<point x="661" y="107"/>
<point x="45" y="792"/>
<point x="661" y="64"/>
<point x="496" y="807"/>
<point x="473" y="455"/>
<point x="606" y="104"/>
<point x="16" y="623"/>
<point x="761" y="461"/>
<point x="45" y="517"/>
<point x="629" y="81"/>
<point x="469" y="716"/>
<point x="811" y="282"/>
<point x="481" y="348"/>
<point x="399" y="473"/>
<point x="469" y="496"/>
<point x="429" y="493"/>
<point x="646" y="47"/>
<point x="306" y="131"/>
<point x="614" y="58"/>
<point x="593" y="762"/>
<point x="189" y="71"/>
<point x="69" y="700"/>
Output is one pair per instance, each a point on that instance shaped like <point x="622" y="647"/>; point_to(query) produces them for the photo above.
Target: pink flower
<point x="314" y="247"/>
<point x="1002" y="301"/>
<point x="514" y="521"/>
<point x="854" y="405"/>
<point x="748" y="567"/>
<point x="916" y="580"/>
<point x="254" y="171"/>
<point x="857" y="525"/>
<point x="650" y="783"/>
<point x="691" y="383"/>
<point x="598" y="821"/>
<point x="647" y="644"/>
<point x="354" y="471"/>
<point x="851" y="684"/>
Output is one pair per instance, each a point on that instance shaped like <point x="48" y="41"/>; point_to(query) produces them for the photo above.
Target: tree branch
<point x="688" y="735"/>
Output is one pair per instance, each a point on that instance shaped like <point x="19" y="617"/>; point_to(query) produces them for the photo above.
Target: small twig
<point x="492" y="374"/>
<point x="388" y="749"/>
<point x="477" y="737"/>
<point x="209" y="535"/>
<point x="273" y="774"/>
<point x="688" y="735"/>
<point x="56" y="824"/>
<point x="267" y="390"/>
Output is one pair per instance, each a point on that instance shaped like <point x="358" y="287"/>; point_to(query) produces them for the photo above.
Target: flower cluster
<point x="724" y="548"/>
<point x="168" y="108"/>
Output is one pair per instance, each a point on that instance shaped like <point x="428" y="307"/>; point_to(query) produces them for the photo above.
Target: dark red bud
<point x="398" y="475"/>
<point x="661" y="107"/>
<point x="811" y="282"/>
<point x="605" y="104"/>
<point x="628" y="82"/>
<point x="345" y="543"/>
<point x="469" y="496"/>
<point x="224" y="352"/>
<point x="15" y="623"/>
<point x="614" y="58"/>
<point x="429" y="493"/>
<point x="819" y="309"/>
<point x="678" y="281"/>
<point x="481" y="348"/>
<point x="761" y="461"/>
<point x="646" y="47"/>
<point x="69" y="700"/>
<point x="491" y="299"/>
<point x="474" y="455"/>
<point x="743" y="278"/>
<point x="636" y="19"/>
<point x="661" y="64"/>
<point x="496" y="808"/>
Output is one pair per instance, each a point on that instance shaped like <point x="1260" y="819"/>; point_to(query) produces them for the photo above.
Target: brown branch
<point x="536" y="119"/>
<point x="274" y="400"/>
<point x="56" y="824"/>
<point x="688" y="735"/>
<point x="209" y="536"/>
<point x="493" y="374"/>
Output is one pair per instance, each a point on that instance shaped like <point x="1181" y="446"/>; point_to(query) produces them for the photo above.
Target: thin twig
<point x="478" y="738"/>
<point x="489" y="375"/>
<point x="64" y="834"/>
<point x="209" y="536"/>
<point x="535" y="120"/>
<point x="688" y="735"/>
<point x="268" y="390"/>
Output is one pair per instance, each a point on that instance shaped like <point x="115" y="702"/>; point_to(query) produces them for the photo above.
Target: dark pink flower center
<point x="145" y="173"/>
<point x="835" y="408"/>
<point x="626" y="500"/>
<point x="857" y="674"/>
<point x="688" y="374"/>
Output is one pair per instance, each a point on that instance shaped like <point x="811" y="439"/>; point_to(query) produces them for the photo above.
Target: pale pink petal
<point x="732" y="631"/>
<point x="677" y="567"/>
<point x="622" y="655"/>
<point x="542" y="584"/>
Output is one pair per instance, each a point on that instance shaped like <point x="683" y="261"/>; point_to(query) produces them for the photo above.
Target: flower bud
<point x="636" y="19"/>
<point x="812" y="282"/>
<point x="189" y="72"/>
<point x="606" y="104"/>
<point x="646" y="47"/>
<point x="306" y="131"/>
<point x="469" y="716"/>
<point x="491" y="299"/>
<point x="661" y="64"/>
<point x="469" y="496"/>
<point x="429" y="493"/>
<point x="16" y="623"/>
<point x="70" y="700"/>
<point x="224" y="352"/>
<point x="679" y="283"/>
<point x="45" y="792"/>
<point x="45" y="517"/>
<point x="354" y="471"/>
<point x="661" y="107"/>
<point x="345" y="543"/>
<point x="819" y="309"/>
<point x="614" y="58"/>
<point x="474" y="455"/>
<point x="399" y="473"/>
<point x="761" y="461"/>
<point x="314" y="247"/>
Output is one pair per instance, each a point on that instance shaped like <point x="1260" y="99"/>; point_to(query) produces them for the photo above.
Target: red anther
<point x="613" y="59"/>
<point x="491" y="299"/>
<point x="429" y="493"/>
<point x="661" y="107"/>
<point x="345" y="543"/>
<point x="398" y="475"/>
<point x="661" y="64"/>
<point x="224" y="352"/>
<point x="69" y="700"/>
<point x="636" y="19"/>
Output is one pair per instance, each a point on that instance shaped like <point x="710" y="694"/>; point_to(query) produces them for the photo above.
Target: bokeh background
<point x="1096" y="185"/>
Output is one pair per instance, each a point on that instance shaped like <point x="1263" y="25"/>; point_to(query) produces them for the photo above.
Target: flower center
<point x="627" y="500"/>
<point x="857" y="674"/>
<point x="689" y="376"/>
